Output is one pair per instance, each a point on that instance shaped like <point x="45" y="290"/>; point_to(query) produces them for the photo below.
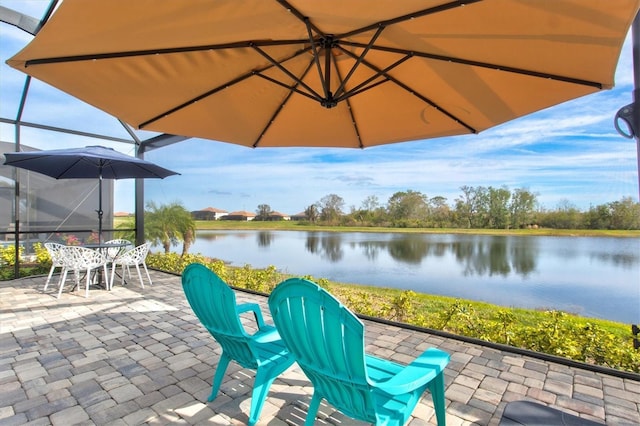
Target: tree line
<point x="477" y="207"/>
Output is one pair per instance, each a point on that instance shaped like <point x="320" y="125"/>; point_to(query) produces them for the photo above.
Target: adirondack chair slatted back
<point x="214" y="303"/>
<point x="328" y="341"/>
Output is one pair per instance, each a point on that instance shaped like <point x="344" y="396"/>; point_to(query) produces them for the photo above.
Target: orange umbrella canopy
<point x="333" y="73"/>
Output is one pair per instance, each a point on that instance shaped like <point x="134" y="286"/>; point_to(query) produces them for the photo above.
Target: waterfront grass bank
<point x="557" y="333"/>
<point x="287" y="225"/>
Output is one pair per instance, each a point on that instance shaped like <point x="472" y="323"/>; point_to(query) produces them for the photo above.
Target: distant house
<point x="299" y="216"/>
<point x="122" y="214"/>
<point x="278" y="216"/>
<point x="240" y="215"/>
<point x="210" y="213"/>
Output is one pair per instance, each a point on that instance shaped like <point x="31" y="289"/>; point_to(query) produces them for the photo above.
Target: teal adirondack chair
<point x="214" y="303"/>
<point x="327" y="340"/>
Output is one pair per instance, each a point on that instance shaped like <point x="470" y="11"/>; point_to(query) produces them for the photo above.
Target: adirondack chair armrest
<point x="253" y="307"/>
<point x="421" y="371"/>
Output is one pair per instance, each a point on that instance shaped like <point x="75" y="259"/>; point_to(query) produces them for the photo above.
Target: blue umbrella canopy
<point x="84" y="163"/>
<point x="88" y="162"/>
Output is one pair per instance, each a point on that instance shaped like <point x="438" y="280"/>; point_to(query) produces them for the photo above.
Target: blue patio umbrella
<point x="87" y="163"/>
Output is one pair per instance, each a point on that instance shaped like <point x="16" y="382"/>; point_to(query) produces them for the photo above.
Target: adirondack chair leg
<point x="314" y="405"/>
<point x="261" y="386"/>
<point x="214" y="303"/>
<point x="436" y="387"/>
<point x="217" y="378"/>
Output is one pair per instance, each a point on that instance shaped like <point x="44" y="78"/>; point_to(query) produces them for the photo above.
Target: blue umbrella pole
<point x="100" y="209"/>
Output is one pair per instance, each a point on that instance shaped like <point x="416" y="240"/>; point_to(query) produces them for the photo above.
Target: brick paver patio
<point x="133" y="356"/>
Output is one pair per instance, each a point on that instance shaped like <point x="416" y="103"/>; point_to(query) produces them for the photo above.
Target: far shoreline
<point x="286" y="225"/>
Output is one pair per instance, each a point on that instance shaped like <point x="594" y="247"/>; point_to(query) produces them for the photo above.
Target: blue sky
<point x="571" y="152"/>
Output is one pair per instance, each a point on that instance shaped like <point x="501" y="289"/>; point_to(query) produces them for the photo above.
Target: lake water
<point x="594" y="277"/>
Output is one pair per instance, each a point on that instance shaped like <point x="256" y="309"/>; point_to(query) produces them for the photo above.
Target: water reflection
<point x="626" y="260"/>
<point x="524" y="257"/>
<point x="560" y="272"/>
<point x="264" y="238"/>
<point x="332" y="247"/>
<point x="490" y="256"/>
<point x="328" y="246"/>
<point x="409" y="249"/>
<point x="369" y="251"/>
<point x="486" y="257"/>
<point x="478" y="255"/>
<point x="211" y="236"/>
<point x="496" y="256"/>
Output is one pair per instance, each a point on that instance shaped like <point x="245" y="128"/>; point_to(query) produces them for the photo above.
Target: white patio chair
<point x="58" y="260"/>
<point x="82" y="259"/>
<point x="113" y="252"/>
<point x="135" y="257"/>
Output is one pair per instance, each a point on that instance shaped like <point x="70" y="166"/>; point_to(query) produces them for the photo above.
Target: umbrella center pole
<point x="328" y="43"/>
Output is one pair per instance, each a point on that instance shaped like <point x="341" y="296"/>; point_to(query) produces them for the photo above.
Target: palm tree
<point x="188" y="231"/>
<point x="168" y="225"/>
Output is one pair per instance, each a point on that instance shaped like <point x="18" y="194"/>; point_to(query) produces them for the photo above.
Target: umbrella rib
<point x="340" y="89"/>
<point x="71" y="166"/>
<point x="353" y="118"/>
<point x="415" y="93"/>
<point x="286" y="71"/>
<point x="196" y="99"/>
<point x="290" y="88"/>
<point x="216" y="90"/>
<point x="409" y="16"/>
<point x="282" y="104"/>
<point x="481" y="64"/>
<point x="316" y="57"/>
<point x="356" y="91"/>
<point x="150" y="52"/>
<point x="299" y="15"/>
<point x="355" y="123"/>
<point x="363" y="86"/>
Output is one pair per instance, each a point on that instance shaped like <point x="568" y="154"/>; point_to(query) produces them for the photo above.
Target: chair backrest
<point x="115" y="251"/>
<point x="214" y="303"/>
<point x="82" y="258"/>
<point x="136" y="255"/>
<point x="327" y="340"/>
<point x="55" y="253"/>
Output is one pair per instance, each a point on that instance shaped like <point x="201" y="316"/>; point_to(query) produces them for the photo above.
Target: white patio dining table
<point x="104" y="249"/>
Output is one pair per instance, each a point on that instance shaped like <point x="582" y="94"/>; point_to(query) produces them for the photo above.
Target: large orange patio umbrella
<point x="335" y="73"/>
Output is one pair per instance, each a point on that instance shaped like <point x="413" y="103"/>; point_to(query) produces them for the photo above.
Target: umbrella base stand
<point x="101" y="283"/>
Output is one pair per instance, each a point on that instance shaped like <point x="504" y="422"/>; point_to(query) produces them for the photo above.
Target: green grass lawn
<point x="286" y="225"/>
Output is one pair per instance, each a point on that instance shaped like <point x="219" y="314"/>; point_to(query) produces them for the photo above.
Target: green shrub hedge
<point x="598" y="342"/>
<point x="557" y="333"/>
